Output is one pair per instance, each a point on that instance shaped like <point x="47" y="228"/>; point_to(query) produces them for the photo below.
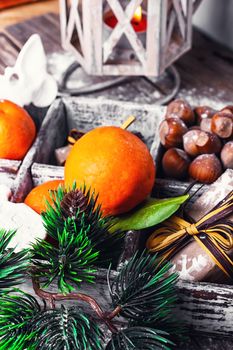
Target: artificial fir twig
<point x="13" y="265"/>
<point x="142" y="292"/>
<point x="53" y="297"/>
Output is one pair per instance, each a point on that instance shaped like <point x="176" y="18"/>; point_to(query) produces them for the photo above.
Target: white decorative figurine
<point x="28" y="81"/>
<point x="18" y="216"/>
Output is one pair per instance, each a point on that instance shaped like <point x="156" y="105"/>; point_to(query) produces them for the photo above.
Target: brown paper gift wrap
<point x="192" y="262"/>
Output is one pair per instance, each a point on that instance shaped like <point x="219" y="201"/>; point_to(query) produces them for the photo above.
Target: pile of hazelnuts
<point x="198" y="142"/>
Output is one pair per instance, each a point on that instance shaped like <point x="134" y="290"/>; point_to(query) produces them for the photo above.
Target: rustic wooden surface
<point x="206" y="78"/>
<point x="9" y="3"/>
<point x="21" y="13"/>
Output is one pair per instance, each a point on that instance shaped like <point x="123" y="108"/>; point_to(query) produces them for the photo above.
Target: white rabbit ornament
<point x="28" y="81"/>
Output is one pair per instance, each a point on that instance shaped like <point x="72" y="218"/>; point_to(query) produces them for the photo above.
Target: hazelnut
<point x="205" y="124"/>
<point x="227" y="109"/>
<point x="197" y="142"/>
<point x="175" y="163"/>
<point x="222" y="125"/>
<point x="182" y="110"/>
<point x="189" y="142"/>
<point x="227" y="155"/>
<point x="206" y="168"/>
<point x="208" y="142"/>
<point x="171" y="131"/>
<point x="204" y="112"/>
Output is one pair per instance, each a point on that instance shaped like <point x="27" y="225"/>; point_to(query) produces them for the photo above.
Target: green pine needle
<point x="143" y="338"/>
<point x="24" y="325"/>
<point x="16" y="315"/>
<point x="91" y="220"/>
<point x="13" y="265"/>
<point x="144" y="290"/>
<point x="71" y="262"/>
<point x="68" y="329"/>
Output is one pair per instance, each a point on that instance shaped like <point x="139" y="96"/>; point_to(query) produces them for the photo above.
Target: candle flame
<point x="137" y="17"/>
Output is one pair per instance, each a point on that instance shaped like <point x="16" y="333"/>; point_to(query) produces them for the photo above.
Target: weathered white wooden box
<point x="203" y="307"/>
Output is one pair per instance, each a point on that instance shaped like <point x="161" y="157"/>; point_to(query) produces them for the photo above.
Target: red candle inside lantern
<point x="139" y="20"/>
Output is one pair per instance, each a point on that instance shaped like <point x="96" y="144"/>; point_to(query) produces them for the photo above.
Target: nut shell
<point x="203" y="112"/>
<point x="227" y="155"/>
<point x="222" y="125"/>
<point x="175" y="163"/>
<point x="208" y="142"/>
<point x="189" y="142"/>
<point x="205" y="124"/>
<point x="198" y="142"/>
<point x="206" y="168"/>
<point x="171" y="131"/>
<point x="227" y="109"/>
<point x="182" y="110"/>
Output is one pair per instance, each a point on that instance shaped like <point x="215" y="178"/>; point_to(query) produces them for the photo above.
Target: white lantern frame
<point x="168" y="35"/>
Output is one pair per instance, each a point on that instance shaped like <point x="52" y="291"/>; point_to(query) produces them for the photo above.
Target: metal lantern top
<point x="121" y="49"/>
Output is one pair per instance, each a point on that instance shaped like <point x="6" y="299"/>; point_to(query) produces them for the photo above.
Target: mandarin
<point x="17" y="131"/>
<point x="113" y="163"/>
<point x="36" y="199"/>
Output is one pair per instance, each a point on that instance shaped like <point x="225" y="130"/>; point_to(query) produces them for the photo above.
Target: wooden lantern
<point x="98" y="48"/>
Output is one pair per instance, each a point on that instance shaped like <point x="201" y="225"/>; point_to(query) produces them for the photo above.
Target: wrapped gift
<point x="201" y="250"/>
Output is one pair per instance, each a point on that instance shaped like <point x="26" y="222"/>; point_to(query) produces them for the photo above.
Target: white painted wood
<point x="79" y="27"/>
<point x="180" y="16"/>
<point x="171" y="24"/>
<point x="206" y="307"/>
<point x="97" y="33"/>
<point x="63" y="20"/>
<point x="87" y="32"/>
<point x="160" y="51"/>
<point x="45" y="172"/>
<point x="8" y="171"/>
<point x="153" y="39"/>
<point x="125" y="27"/>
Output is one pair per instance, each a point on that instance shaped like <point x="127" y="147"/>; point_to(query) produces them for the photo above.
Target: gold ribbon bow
<point x="214" y="237"/>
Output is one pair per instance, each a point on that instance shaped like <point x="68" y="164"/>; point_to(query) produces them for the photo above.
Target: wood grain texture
<point x="9" y="3"/>
<point x="23" y="12"/>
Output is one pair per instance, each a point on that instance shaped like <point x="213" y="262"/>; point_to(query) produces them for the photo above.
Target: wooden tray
<point x="204" y="307"/>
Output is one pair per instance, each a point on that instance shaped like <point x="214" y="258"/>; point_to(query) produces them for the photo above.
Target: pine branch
<point x="13" y="265"/>
<point x="80" y="204"/>
<point x="53" y="297"/>
<point x="70" y="262"/>
<point x="68" y="329"/>
<point x="144" y="289"/>
<point x="175" y="328"/>
<point x="139" y="338"/>
<point x="16" y="315"/>
<point x="24" y="325"/>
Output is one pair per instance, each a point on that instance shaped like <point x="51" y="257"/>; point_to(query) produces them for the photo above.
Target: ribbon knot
<point x="192" y="230"/>
<point x="217" y="240"/>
